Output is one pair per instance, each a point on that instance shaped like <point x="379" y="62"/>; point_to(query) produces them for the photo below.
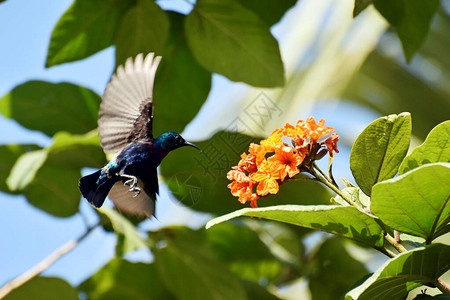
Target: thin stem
<point x="336" y="190"/>
<point x="43" y="265"/>
<point x="443" y="286"/>
<point x="394" y="243"/>
<point x="322" y="173"/>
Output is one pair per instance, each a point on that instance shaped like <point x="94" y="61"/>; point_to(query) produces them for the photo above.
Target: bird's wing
<point x="126" y="111"/>
<point x="142" y="205"/>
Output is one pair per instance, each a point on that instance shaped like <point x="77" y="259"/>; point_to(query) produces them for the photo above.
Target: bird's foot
<point x="132" y="183"/>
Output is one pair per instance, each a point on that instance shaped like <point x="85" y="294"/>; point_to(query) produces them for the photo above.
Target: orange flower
<point x="331" y="143"/>
<point x="291" y="131"/>
<point x="248" y="162"/>
<point x="313" y="130"/>
<point x="273" y="141"/>
<point x="266" y="176"/>
<point x="288" y="160"/>
<point x="258" y="151"/>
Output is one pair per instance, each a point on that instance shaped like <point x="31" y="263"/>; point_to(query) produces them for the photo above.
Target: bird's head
<point x="171" y="140"/>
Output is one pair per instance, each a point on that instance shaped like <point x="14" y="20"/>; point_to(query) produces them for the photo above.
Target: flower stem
<point x="330" y="185"/>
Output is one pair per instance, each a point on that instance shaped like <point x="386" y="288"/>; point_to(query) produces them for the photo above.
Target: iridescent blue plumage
<point x="125" y="125"/>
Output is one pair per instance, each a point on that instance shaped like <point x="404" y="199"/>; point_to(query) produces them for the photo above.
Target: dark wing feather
<point x="126" y="111"/>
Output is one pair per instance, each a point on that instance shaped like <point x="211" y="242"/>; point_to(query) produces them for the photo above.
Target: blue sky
<point x="27" y="235"/>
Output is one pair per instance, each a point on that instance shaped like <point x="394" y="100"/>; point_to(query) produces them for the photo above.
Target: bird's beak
<point x="192" y="145"/>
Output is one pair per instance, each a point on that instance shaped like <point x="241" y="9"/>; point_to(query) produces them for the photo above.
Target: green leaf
<point x="343" y="221"/>
<point x="334" y="265"/>
<point x="356" y="195"/>
<point x="416" y="202"/>
<point x="8" y="156"/>
<point x="361" y="5"/>
<point x="49" y="177"/>
<point x="178" y="97"/>
<point x="404" y="272"/>
<point x="130" y="239"/>
<point x="411" y="19"/>
<point x="52" y="107"/>
<point x="44" y="288"/>
<point x="121" y="279"/>
<point x="143" y="29"/>
<point x="270" y="12"/>
<point x="198" y="178"/>
<point x="379" y="150"/>
<point x="436" y="148"/>
<point x="190" y="270"/>
<point x="87" y="27"/>
<point x="222" y="42"/>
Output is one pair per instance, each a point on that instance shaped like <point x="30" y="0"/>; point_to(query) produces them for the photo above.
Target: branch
<point x="43" y="265"/>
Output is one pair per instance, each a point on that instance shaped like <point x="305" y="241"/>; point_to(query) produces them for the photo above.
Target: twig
<point x="443" y="286"/>
<point x="394" y="243"/>
<point x="43" y="265"/>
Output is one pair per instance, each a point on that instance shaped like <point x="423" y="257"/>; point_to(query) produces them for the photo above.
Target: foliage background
<point x="346" y="70"/>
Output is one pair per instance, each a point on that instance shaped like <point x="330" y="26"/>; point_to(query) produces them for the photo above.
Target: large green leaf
<point x="178" y="97"/>
<point x="346" y="221"/>
<point x="198" y="178"/>
<point x="49" y="177"/>
<point x="129" y="238"/>
<point x="411" y="19"/>
<point x="44" y="288"/>
<point x="436" y="148"/>
<point x="52" y="107"/>
<point x="333" y="264"/>
<point x="270" y="12"/>
<point x="379" y="150"/>
<point x="121" y="279"/>
<point x="8" y="156"/>
<point x="417" y="202"/>
<point x="190" y="270"/>
<point x="87" y="27"/>
<point x="229" y="39"/>
<point x="401" y="274"/>
<point x="143" y="29"/>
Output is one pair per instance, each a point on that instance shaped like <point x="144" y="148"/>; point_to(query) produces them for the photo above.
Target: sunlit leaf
<point x="121" y="279"/>
<point x="417" y="202"/>
<point x="130" y="238"/>
<point x="143" y="29"/>
<point x="190" y="270"/>
<point x="242" y="51"/>
<point x="44" y="288"/>
<point x="401" y="274"/>
<point x="87" y="27"/>
<point x="52" y="107"/>
<point x="379" y="150"/>
<point x="8" y="157"/>
<point x="411" y="19"/>
<point x="353" y="224"/>
<point x="49" y="177"/>
<point x="436" y="148"/>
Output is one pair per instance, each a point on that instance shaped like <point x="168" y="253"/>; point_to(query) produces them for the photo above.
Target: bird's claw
<point x="132" y="183"/>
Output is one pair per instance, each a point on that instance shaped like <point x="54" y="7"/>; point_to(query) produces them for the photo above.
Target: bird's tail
<point x="95" y="190"/>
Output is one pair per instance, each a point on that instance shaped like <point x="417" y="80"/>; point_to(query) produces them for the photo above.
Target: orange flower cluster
<point x="272" y="161"/>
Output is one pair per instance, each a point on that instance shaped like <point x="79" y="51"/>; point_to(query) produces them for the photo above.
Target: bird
<point x="125" y="127"/>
